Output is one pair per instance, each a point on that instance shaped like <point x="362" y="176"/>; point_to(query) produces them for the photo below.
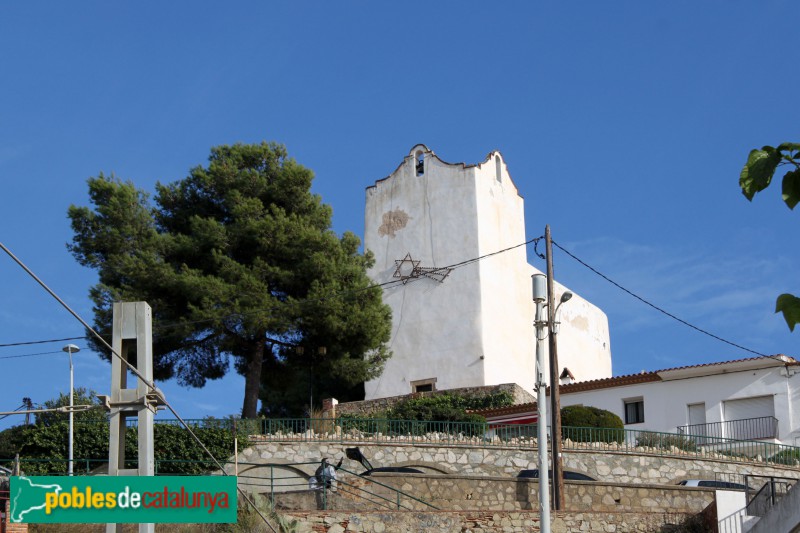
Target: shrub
<point x="445" y="413"/>
<point x="448" y="407"/>
<point x="665" y="441"/>
<point x="44" y="448"/>
<point x="576" y="418"/>
<point x="789" y="456"/>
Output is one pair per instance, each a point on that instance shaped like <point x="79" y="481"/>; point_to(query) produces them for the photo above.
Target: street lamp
<point x="539" y="297"/>
<point x="70" y="349"/>
<point x="564" y="298"/>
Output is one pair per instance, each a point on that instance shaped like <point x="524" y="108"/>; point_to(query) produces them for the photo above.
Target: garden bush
<point x="604" y="425"/>
<point x="665" y="441"/>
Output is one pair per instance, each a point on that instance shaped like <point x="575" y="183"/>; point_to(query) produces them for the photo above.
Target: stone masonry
<point x="642" y="467"/>
<point x="484" y="522"/>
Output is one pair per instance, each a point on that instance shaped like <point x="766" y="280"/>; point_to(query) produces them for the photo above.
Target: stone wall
<point x="368" y="407"/>
<point x="601" y="464"/>
<point x="485" y="522"/>
<point x="483" y="493"/>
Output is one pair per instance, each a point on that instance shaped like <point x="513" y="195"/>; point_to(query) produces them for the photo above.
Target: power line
<point x="135" y="371"/>
<point x="29" y="354"/>
<point x="346" y="292"/>
<point x="40" y="342"/>
<point x="390" y="283"/>
<point x="659" y="309"/>
<point x="334" y="295"/>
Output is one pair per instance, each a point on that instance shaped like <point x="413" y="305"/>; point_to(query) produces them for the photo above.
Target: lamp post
<point x="70" y="349"/>
<point x="539" y="292"/>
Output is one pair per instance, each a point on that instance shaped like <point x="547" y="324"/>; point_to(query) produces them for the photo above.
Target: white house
<point x="459" y="324"/>
<point x="745" y="399"/>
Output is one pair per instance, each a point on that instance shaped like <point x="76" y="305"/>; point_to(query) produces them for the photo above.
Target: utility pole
<point x="555" y="399"/>
<point x="132" y="338"/>
<point x="541" y="404"/>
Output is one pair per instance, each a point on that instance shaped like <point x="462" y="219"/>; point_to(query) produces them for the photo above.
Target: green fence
<point x="267" y="479"/>
<point x="362" y="430"/>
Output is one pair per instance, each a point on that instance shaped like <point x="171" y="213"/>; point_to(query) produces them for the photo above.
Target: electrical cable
<point x="29" y="355"/>
<point x="334" y="295"/>
<point x="659" y="309"/>
<point x="453" y="266"/>
<point x="136" y="373"/>
<point x="40" y="342"/>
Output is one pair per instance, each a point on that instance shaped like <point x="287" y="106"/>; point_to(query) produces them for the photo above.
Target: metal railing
<point x="764" y="427"/>
<point x="477" y="434"/>
<point x="764" y="491"/>
<point x="271" y="480"/>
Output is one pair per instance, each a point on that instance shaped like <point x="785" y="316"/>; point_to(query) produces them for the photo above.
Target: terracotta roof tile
<point x="644" y="377"/>
<point x="604" y="383"/>
<point x="520" y="408"/>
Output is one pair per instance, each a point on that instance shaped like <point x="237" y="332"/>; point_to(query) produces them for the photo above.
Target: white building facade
<point x="471" y="324"/>
<point x="746" y="399"/>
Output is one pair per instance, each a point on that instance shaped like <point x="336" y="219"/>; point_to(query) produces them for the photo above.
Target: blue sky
<point x="624" y="126"/>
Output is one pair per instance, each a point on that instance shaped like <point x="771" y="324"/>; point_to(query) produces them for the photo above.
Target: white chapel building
<point x="457" y="324"/>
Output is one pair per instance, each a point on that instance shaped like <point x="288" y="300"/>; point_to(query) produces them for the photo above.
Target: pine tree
<point x="237" y="260"/>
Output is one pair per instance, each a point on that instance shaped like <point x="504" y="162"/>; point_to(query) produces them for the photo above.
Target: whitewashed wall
<point x="666" y="402"/>
<point x="476" y="328"/>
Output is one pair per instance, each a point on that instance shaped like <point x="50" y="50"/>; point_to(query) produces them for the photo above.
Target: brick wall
<point x="9" y="527"/>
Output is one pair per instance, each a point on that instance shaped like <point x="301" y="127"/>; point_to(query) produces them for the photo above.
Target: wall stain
<point x="393" y="221"/>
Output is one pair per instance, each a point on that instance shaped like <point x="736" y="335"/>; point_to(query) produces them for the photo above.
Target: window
<point x="424" y="385"/>
<point x="634" y="411"/>
<point x="420" y="157"/>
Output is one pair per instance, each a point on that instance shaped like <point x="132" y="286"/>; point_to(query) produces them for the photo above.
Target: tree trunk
<point x="252" y="381"/>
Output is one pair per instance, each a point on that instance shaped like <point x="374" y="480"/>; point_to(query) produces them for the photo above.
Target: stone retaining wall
<point x="482" y="493"/>
<point x="485" y="522"/>
<point x="604" y="465"/>
<point x="461" y="493"/>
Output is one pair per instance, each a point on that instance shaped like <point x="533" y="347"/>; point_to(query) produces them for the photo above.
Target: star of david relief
<point x="408" y="268"/>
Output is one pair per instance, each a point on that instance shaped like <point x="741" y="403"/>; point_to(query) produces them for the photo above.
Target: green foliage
<point x="369" y="424"/>
<point x="11" y="441"/>
<point x="761" y="166"/>
<point x="444" y="413"/>
<point x="756" y="176"/>
<point x="44" y="448"/>
<point x="437" y="413"/>
<point x="178" y="453"/>
<point x="786" y="457"/>
<point x="789" y="305"/>
<point x="239" y="259"/>
<point x="665" y="441"/>
<point x="80" y="396"/>
<point x="575" y="418"/>
<point x="447" y="407"/>
<point x="48" y="437"/>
